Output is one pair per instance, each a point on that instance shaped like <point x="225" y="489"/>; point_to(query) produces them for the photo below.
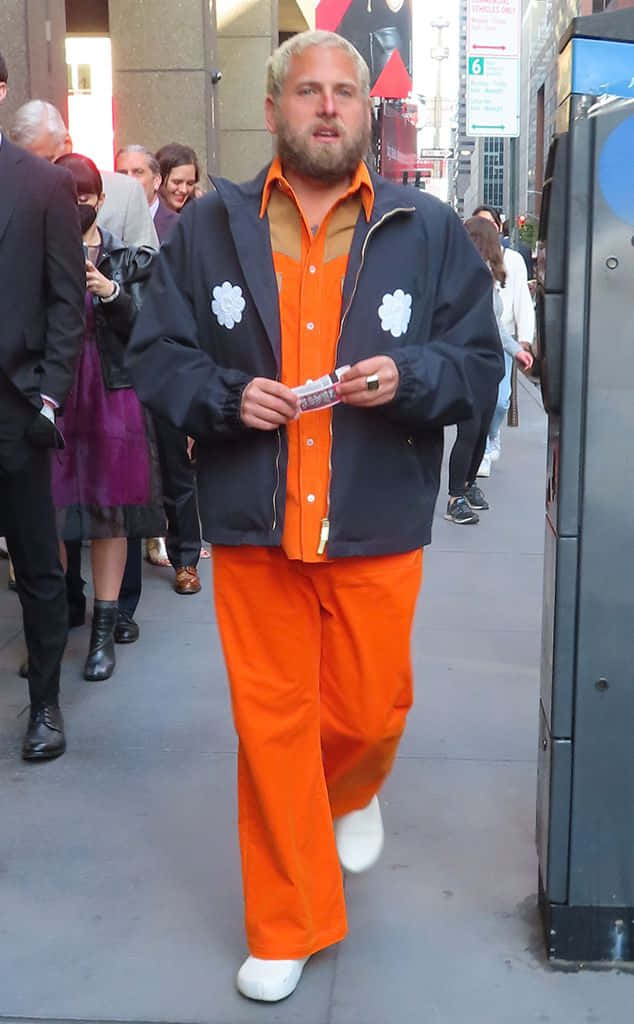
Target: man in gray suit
<point x="39" y="127"/>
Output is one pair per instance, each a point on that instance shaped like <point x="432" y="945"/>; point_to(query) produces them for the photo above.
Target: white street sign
<point x="493" y="28"/>
<point x="493" y="93"/>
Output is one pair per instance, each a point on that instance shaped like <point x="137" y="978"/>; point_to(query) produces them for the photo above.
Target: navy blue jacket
<point x="191" y="368"/>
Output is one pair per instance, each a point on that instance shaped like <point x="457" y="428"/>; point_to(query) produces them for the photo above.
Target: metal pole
<point x="513" y="191"/>
<point x="513" y="418"/>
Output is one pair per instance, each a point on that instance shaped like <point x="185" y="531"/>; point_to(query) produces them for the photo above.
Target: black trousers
<point x="466" y="454"/>
<point x="130" y="593"/>
<point x="27" y="518"/>
<point x="179" y="495"/>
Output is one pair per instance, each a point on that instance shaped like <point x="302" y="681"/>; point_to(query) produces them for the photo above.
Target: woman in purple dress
<point x="106" y="485"/>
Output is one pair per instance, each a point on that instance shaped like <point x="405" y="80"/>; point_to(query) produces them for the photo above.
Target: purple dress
<point x="106" y="481"/>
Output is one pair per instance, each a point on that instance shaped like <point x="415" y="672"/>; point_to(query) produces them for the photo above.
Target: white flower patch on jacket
<point x="227" y="304"/>
<point x="395" y="312"/>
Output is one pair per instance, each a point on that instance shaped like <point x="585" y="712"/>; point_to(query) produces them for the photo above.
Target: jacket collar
<point x="387" y="196"/>
<point x="110" y="244"/>
<point x="253" y="243"/>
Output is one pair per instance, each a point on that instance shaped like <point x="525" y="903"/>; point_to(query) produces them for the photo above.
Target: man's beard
<point x="330" y="162"/>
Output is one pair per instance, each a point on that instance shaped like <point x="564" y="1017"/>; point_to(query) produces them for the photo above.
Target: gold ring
<point x="372" y="382"/>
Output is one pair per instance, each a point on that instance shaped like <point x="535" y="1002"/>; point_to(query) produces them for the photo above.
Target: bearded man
<point x="317" y="513"/>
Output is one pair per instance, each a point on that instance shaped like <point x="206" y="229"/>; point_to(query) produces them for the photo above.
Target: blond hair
<point x="278" y="63"/>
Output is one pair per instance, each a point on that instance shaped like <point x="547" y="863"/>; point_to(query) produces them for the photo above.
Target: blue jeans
<point x="504" y="397"/>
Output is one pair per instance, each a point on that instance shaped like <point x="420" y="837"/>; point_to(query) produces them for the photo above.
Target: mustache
<point x="327" y="122"/>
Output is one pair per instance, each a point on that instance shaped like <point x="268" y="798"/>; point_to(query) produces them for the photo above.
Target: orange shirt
<point x="310" y="270"/>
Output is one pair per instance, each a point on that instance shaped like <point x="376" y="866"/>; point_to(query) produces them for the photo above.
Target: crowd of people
<point x="121" y="477"/>
<point x="139" y="315"/>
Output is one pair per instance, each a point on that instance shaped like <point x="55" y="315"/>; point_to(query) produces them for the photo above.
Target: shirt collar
<point x="361" y="183"/>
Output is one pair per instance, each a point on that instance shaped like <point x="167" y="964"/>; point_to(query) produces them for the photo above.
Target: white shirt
<point x="518" y="315"/>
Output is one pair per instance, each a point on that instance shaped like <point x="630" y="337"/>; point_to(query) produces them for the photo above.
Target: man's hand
<point x="353" y="386"/>
<point x="267" y="404"/>
<point x="97" y="283"/>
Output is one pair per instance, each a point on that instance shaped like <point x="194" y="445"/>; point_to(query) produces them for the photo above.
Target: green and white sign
<point x="493" y="94"/>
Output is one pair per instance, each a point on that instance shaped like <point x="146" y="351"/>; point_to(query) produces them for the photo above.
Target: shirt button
<point x="310" y="325"/>
<point x="310" y="498"/>
<point x="310" y="442"/>
<point x="312" y="269"/>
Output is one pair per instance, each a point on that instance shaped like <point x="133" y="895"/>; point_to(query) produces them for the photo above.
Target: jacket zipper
<point x="324" y="532"/>
<point x="277" y="478"/>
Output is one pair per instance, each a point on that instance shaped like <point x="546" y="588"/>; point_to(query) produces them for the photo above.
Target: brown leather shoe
<point x="187" y="580"/>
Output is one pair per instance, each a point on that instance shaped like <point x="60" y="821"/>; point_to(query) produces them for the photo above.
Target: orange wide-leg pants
<point x="318" y="657"/>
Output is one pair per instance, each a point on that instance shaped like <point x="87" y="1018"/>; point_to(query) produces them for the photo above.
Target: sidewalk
<point x="119" y="868"/>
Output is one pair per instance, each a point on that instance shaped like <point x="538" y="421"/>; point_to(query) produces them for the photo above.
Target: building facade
<point x="460" y="169"/>
<point x="545" y="23"/>
<point x="481" y="170"/>
<point x="190" y="72"/>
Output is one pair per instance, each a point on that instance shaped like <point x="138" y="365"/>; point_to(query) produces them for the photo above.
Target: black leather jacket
<point x="129" y="266"/>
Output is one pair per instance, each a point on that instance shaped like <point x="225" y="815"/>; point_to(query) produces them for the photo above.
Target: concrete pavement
<point x="119" y="868"/>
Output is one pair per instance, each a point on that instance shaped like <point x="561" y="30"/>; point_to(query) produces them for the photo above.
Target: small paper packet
<point x="319" y="394"/>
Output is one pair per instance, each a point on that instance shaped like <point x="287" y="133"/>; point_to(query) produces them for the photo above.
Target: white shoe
<point x="485" y="466"/>
<point x="269" y="980"/>
<point x="359" y="837"/>
<point x="494" y="447"/>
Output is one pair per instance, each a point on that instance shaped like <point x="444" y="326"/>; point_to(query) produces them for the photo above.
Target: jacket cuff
<point x="511" y="346"/>
<point x="408" y="384"/>
<point x="233" y="405"/>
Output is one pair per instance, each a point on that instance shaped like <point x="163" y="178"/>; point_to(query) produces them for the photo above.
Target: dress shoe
<point x="44" y="737"/>
<point x="101" y="660"/>
<point x="269" y="980"/>
<point x="359" y="837"/>
<point x="187" y="580"/>
<point x="126" y="630"/>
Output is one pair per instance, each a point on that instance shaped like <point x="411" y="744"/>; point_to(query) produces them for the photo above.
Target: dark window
<point x="87" y="17"/>
<point x="493" y="172"/>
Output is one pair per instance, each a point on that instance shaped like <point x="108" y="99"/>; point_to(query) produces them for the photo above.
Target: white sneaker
<point x="359" y="837"/>
<point x="494" y="447"/>
<point x="269" y="980"/>
<point x="485" y="466"/>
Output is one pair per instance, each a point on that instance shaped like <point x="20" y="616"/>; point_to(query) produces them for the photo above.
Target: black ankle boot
<point x="100" y="662"/>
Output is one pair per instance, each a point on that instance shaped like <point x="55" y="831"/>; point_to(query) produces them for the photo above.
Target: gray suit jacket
<point x="125" y="212"/>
